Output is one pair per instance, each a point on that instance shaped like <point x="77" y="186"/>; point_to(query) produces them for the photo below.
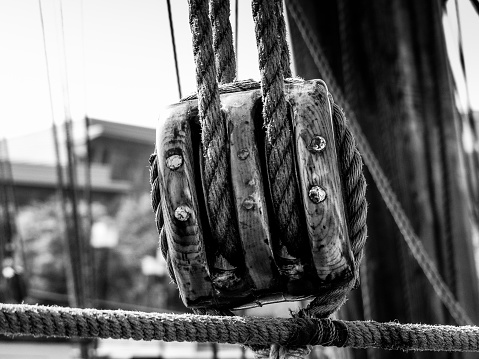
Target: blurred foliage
<point x="41" y="228"/>
<point x="117" y="270"/>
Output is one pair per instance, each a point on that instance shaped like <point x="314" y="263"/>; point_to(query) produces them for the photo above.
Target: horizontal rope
<point x="41" y="321"/>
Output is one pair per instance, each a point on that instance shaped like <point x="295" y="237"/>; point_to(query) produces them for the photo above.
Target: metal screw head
<point x="317" y="194"/>
<point x="182" y="213"/>
<point x="248" y="203"/>
<point x="174" y="162"/>
<point x="243" y="154"/>
<point x="317" y="145"/>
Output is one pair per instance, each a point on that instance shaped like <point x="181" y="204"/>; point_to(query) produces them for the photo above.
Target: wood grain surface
<point x="202" y="276"/>
<point x="248" y="187"/>
<point x="317" y="167"/>
<point x="180" y="207"/>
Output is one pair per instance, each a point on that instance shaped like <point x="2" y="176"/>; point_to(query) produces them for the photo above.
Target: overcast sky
<point x="119" y="59"/>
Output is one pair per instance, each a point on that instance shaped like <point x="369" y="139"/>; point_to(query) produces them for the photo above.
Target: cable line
<point x="236" y="33"/>
<point x="173" y="44"/>
<point x="78" y="255"/>
<point x="87" y="189"/>
<point x="61" y="189"/>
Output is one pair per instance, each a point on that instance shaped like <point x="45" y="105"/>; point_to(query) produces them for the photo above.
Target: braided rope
<point x="279" y="151"/>
<point x="354" y="183"/>
<point x="285" y="61"/>
<point x="382" y="183"/>
<point x="216" y="169"/>
<point x="223" y="40"/>
<point x="42" y="321"/>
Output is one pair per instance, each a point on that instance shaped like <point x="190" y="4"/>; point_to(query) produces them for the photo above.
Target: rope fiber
<point x="216" y="175"/>
<point x="42" y="321"/>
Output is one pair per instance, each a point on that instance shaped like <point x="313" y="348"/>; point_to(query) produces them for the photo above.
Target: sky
<point x="118" y="55"/>
<point x="118" y="59"/>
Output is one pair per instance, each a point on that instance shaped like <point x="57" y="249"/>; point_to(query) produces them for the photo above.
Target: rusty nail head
<point x="243" y="154"/>
<point x="248" y="203"/>
<point x="174" y="162"/>
<point x="317" y="194"/>
<point x="182" y="213"/>
<point x="317" y="145"/>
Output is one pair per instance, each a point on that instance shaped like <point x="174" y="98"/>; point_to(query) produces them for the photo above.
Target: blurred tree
<point x="138" y="238"/>
<point x="42" y="231"/>
<point x="118" y="269"/>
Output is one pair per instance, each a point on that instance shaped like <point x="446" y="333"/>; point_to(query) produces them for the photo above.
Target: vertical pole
<point x="397" y="73"/>
<point x="89" y="253"/>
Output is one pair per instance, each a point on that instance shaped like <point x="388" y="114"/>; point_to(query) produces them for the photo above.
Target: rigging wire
<point x="463" y="66"/>
<point x="475" y="5"/>
<point x="236" y="34"/>
<point x="61" y="189"/>
<point x="173" y="43"/>
<point x="78" y="255"/>
<point x="87" y="192"/>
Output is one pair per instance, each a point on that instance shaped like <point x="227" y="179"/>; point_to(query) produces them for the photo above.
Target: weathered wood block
<point x="316" y="170"/>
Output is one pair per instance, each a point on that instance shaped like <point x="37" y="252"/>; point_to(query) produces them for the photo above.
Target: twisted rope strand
<point x="223" y="40"/>
<point x="216" y="168"/>
<point x="380" y="179"/>
<point x="284" y="189"/>
<point x="285" y="60"/>
<point x="354" y="183"/>
<point x="42" y="321"/>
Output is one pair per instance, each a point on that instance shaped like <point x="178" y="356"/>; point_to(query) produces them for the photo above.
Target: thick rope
<point x="279" y="147"/>
<point x="414" y="243"/>
<point x="285" y="58"/>
<point x="41" y="321"/>
<point x="223" y="40"/>
<point x="216" y="168"/>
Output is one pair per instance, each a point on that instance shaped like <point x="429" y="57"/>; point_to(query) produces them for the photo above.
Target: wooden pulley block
<point x="262" y="277"/>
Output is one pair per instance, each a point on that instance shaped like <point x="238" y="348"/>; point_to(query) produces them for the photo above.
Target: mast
<point x="390" y="57"/>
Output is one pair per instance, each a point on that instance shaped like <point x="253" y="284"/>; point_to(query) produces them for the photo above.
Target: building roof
<point x="38" y="147"/>
<point x="122" y="131"/>
<point x="44" y="175"/>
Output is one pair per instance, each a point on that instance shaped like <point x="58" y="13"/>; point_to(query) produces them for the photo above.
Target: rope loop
<point x="223" y="40"/>
<point x="274" y="66"/>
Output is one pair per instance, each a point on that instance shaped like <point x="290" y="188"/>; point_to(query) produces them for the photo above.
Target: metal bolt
<point x="174" y="162"/>
<point x="317" y="145"/>
<point x="317" y="194"/>
<point x="248" y="203"/>
<point x="182" y="213"/>
<point x="243" y="154"/>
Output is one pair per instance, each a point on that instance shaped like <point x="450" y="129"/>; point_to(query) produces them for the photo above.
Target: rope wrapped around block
<point x="285" y="195"/>
<point x="59" y="322"/>
<point x="354" y="183"/>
